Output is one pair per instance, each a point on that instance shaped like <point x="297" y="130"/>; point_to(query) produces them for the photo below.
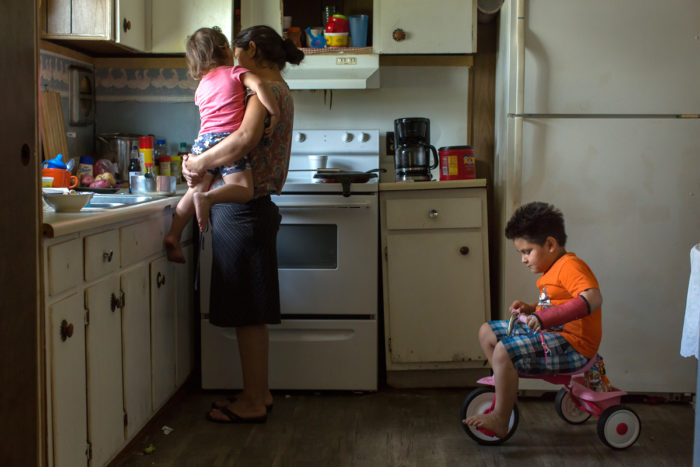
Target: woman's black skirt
<point x="244" y="280"/>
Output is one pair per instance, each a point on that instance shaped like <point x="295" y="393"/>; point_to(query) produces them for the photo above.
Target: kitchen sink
<point x="117" y="201"/>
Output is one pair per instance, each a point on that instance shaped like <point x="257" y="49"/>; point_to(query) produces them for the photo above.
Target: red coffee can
<point x="457" y="163"/>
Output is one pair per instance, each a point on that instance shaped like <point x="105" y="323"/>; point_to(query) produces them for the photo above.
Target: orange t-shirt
<point x="565" y="280"/>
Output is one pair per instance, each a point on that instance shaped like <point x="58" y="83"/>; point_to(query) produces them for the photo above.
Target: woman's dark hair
<point x="535" y="222"/>
<point x="206" y="49"/>
<point x="270" y="47"/>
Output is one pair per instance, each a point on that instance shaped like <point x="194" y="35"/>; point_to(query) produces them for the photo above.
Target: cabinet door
<point x="92" y="18"/>
<point x="262" y="12"/>
<point x="68" y="397"/>
<point x="174" y="20"/>
<point x="104" y="369"/>
<point x="185" y="319"/>
<point x="130" y="23"/>
<point x="136" y="343"/>
<point x="430" y="28"/>
<point x="162" y="331"/>
<point x="436" y="295"/>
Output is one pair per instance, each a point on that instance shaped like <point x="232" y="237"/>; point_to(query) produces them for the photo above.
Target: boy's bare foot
<point x="173" y="249"/>
<point x="490" y="421"/>
<point x="202" y="205"/>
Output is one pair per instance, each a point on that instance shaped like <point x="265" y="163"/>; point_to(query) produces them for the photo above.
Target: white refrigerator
<point x="596" y="105"/>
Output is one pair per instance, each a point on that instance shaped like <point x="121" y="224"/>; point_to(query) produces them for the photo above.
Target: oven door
<point x="327" y="252"/>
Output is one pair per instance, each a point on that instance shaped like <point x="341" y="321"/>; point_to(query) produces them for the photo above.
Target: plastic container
<point x="457" y="163"/>
<point x="294" y="33"/>
<point x="86" y="166"/>
<point x="336" y="39"/>
<point x="146" y="153"/>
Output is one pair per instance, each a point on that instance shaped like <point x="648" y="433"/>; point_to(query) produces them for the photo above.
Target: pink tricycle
<point x="618" y="426"/>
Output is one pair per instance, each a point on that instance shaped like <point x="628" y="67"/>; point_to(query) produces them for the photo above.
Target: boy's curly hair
<point x="206" y="49"/>
<point x="535" y="222"/>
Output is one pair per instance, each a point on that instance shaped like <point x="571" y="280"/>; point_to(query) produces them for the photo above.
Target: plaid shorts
<point x="528" y="354"/>
<point x="208" y="140"/>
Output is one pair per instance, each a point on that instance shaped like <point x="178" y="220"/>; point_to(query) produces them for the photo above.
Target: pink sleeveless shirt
<point x="220" y="97"/>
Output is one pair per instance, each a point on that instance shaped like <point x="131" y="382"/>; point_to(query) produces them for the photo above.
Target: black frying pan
<point x="347" y="177"/>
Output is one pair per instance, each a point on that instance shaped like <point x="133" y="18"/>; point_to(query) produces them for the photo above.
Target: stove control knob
<point x="364" y="137"/>
<point x="347" y="137"/>
<point x="300" y="137"/>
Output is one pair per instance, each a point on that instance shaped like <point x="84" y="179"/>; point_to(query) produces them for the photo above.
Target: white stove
<point x="327" y="250"/>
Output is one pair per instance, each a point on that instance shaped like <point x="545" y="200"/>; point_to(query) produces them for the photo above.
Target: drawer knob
<point x="433" y="213"/>
<point x="398" y="34"/>
<point x="464" y="250"/>
<point x="160" y="280"/>
<point x="126" y="24"/>
<point x="107" y="256"/>
<point x="66" y="330"/>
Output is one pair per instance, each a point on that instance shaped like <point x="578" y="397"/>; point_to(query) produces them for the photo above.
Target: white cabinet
<point x="174" y="20"/>
<point x="119" y="333"/>
<point x="419" y="27"/>
<point x="435" y="267"/>
<point x="88" y="22"/>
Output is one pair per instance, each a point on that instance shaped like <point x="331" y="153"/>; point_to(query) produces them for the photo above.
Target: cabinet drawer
<point x="141" y="240"/>
<point x="65" y="266"/>
<point x="436" y="213"/>
<point x="101" y="254"/>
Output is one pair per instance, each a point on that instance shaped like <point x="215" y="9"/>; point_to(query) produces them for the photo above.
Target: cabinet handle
<point x="66" y="330"/>
<point x="115" y="303"/>
<point x="126" y="25"/>
<point x="160" y="280"/>
<point x="398" y="35"/>
<point x="433" y="213"/>
<point x="464" y="250"/>
<point x="107" y="256"/>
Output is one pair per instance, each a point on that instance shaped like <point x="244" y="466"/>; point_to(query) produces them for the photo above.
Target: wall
<point x="54" y="75"/>
<point x="160" y="102"/>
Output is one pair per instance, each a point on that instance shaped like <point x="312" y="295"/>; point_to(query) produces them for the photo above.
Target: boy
<point x="563" y="328"/>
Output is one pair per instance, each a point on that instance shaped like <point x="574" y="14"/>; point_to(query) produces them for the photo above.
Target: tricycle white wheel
<point x="479" y="401"/>
<point x="619" y="427"/>
<point x="566" y="408"/>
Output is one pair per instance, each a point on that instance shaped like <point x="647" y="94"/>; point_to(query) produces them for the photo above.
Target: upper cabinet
<point x="419" y="27"/>
<point x="97" y="24"/>
<point x="174" y="20"/>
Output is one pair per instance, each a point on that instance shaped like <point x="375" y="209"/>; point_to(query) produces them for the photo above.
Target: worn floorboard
<point x="398" y="428"/>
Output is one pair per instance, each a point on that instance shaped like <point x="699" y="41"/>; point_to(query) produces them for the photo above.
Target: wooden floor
<point x="399" y="428"/>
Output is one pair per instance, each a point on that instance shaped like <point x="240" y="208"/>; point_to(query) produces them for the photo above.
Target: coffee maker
<point x="413" y="149"/>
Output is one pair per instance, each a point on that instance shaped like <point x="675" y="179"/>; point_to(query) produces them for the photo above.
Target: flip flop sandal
<point x="232" y="399"/>
<point x="233" y="418"/>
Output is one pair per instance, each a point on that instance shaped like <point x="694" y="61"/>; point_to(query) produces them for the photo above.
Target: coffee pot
<point x="413" y="150"/>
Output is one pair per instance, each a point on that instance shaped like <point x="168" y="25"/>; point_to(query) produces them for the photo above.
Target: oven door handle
<point x="317" y="205"/>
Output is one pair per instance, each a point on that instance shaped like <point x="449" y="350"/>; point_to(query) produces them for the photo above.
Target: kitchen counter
<point x="398" y="186"/>
<point x="56" y="224"/>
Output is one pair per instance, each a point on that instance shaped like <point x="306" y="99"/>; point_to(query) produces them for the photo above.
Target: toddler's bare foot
<point x="173" y="250"/>
<point x="490" y="421"/>
<point x="202" y="205"/>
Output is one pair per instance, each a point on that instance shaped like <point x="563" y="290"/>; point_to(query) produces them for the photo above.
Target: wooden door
<point x="66" y="338"/>
<point x="436" y="295"/>
<point x="136" y="346"/>
<point x="185" y="319"/>
<point x="104" y="369"/>
<point x="21" y="353"/>
<point x="92" y="18"/>
<point x="162" y="331"/>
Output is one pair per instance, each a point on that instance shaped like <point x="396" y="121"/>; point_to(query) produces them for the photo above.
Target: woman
<point x="244" y="285"/>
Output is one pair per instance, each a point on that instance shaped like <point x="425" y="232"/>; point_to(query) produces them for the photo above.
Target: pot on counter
<point x="117" y="147"/>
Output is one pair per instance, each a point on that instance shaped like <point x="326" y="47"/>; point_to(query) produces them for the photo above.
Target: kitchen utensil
<point x="61" y="178"/>
<point x="142" y="184"/>
<point x="166" y="184"/>
<point x="315" y="38"/>
<point x="87" y="189"/>
<point x="55" y="163"/>
<point x="53" y="130"/>
<point x="358" y="30"/>
<point x="336" y="39"/>
<point x="338" y="23"/>
<point x="67" y="202"/>
<point x="346" y="177"/>
<point x="413" y="150"/>
<point x="117" y="147"/>
<point x="315" y="163"/>
<point x="457" y="163"/>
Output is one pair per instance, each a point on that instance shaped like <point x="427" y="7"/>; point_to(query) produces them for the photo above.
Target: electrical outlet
<point x="390" y="149"/>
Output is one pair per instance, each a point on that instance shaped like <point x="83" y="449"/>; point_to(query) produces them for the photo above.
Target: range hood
<point x="334" y="71"/>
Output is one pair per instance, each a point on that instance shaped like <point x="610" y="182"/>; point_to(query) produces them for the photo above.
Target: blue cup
<point x="358" y="30"/>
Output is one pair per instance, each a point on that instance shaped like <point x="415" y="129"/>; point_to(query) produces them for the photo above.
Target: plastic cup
<point x="358" y="30"/>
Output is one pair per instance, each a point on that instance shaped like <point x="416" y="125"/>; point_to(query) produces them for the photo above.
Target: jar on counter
<point x="85" y="166"/>
<point x="164" y="165"/>
<point x="176" y="167"/>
